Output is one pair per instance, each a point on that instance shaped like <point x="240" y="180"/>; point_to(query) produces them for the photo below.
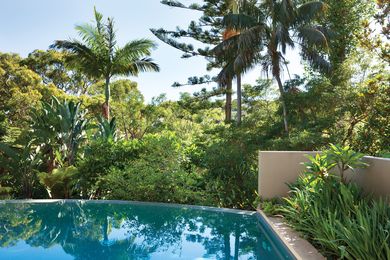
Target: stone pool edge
<point x="299" y="247"/>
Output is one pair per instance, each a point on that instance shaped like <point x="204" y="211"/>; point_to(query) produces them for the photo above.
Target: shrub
<point x="60" y="182"/>
<point x="5" y="192"/>
<point x="231" y="168"/>
<point x="100" y="157"/>
<point x="152" y="169"/>
<point x="142" y="181"/>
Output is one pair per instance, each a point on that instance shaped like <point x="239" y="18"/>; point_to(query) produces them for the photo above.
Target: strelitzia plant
<point x="106" y="129"/>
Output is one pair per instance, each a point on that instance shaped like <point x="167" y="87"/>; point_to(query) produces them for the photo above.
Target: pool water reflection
<point x="95" y="230"/>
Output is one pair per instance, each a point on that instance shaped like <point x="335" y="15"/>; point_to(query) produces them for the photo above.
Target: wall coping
<point x="377" y="158"/>
<point x="304" y="152"/>
<point x="289" y="151"/>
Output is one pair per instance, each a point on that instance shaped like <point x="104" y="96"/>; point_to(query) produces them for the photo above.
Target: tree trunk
<point x="228" y="105"/>
<point x="51" y="163"/>
<point x="275" y="57"/>
<point x="125" y="127"/>
<point x="236" y="242"/>
<point x="226" y="247"/>
<point x="283" y="101"/>
<point x="105" y="231"/>
<point x="106" y="105"/>
<point x="239" y="108"/>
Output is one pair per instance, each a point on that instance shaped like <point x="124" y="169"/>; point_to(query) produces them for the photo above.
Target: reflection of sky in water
<point x="187" y="249"/>
<point x="23" y="251"/>
<point x="129" y="231"/>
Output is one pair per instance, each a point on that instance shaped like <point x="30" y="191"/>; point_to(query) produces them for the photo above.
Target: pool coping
<point x="299" y="247"/>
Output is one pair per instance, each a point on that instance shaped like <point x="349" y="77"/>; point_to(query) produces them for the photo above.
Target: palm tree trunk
<point x="228" y="105"/>
<point x="239" y="108"/>
<point x="226" y="243"/>
<point x="236" y="242"/>
<point x="283" y="101"/>
<point x="105" y="230"/>
<point x="106" y="105"/>
<point x="275" y="57"/>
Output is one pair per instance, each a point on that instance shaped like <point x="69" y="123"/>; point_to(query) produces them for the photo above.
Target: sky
<point x="27" y="25"/>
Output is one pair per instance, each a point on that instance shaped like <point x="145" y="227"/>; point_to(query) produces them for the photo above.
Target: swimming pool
<point x="132" y="230"/>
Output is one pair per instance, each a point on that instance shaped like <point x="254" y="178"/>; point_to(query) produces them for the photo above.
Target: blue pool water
<point x="131" y="230"/>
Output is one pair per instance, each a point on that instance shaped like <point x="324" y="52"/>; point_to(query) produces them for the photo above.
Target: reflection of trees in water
<point x="83" y="230"/>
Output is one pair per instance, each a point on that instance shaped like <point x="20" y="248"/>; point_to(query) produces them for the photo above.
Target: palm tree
<point x="235" y="8"/>
<point x="231" y="71"/>
<point x="98" y="55"/>
<point x="272" y="26"/>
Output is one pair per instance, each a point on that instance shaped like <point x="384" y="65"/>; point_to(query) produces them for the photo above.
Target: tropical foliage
<point x="335" y="215"/>
<point x="56" y="143"/>
<point x="99" y="57"/>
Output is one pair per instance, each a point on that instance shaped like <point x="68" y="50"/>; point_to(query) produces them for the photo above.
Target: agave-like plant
<point x="266" y="30"/>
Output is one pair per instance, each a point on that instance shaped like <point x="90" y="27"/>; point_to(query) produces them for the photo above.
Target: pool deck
<point x="298" y="246"/>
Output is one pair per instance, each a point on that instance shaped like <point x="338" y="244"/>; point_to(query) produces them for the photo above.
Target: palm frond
<point x="247" y="39"/>
<point x="8" y="151"/>
<point x="282" y="37"/>
<point x="81" y="56"/>
<point x="135" y="49"/>
<point x="285" y="11"/>
<point x="89" y="34"/>
<point x="308" y="11"/>
<point x="98" y="19"/>
<point x="315" y="59"/>
<point x="239" y="22"/>
<point x="110" y="37"/>
<point x="146" y="65"/>
<point x="312" y="36"/>
<point x="135" y="67"/>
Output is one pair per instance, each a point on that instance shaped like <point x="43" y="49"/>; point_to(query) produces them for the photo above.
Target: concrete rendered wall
<point x="277" y="168"/>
